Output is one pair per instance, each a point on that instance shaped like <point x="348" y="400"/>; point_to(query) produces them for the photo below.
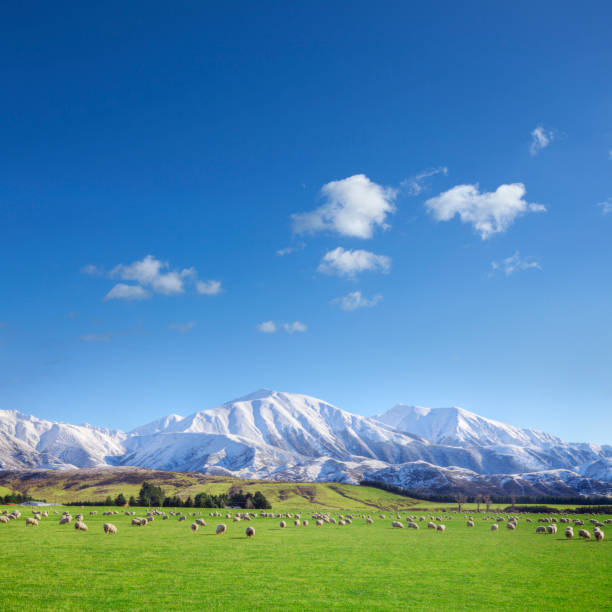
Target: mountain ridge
<point x="274" y="435"/>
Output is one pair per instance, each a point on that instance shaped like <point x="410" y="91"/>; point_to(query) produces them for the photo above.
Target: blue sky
<point x="370" y="204"/>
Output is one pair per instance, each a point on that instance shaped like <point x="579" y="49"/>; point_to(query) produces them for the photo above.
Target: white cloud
<point x="606" y="207"/>
<point x="96" y="337"/>
<point x="291" y="249"/>
<point x="153" y="276"/>
<point x="149" y="272"/>
<point x="354" y="206"/>
<point x="267" y="327"/>
<point x="355" y="300"/>
<point x="414" y="185"/>
<point x="270" y="327"/>
<point x="540" y="139"/>
<point x="489" y="212"/>
<point x="350" y="263"/>
<point x="91" y="270"/>
<point x="182" y="328"/>
<point x="121" y="291"/>
<point x="211" y="287"/>
<point x="514" y="263"/>
<point x="296" y="326"/>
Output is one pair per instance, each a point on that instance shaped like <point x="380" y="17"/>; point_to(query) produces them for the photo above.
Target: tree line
<point x="510" y="498"/>
<point x="154" y="496"/>
<point x="15" y="498"/>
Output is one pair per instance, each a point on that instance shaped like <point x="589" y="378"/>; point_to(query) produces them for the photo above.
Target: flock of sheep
<point x="321" y="518"/>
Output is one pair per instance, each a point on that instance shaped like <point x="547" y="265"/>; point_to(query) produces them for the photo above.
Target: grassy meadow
<point x="165" y="566"/>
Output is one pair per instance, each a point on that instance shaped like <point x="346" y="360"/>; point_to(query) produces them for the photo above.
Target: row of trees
<point x="15" y="498"/>
<point x="487" y="500"/>
<point x="153" y="496"/>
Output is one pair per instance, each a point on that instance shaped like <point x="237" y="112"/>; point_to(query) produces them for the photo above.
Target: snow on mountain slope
<point x="284" y="436"/>
<point x="58" y="444"/>
<point x="157" y="426"/>
<point x="458" y="426"/>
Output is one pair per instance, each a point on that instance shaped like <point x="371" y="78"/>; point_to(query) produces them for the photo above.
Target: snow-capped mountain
<point x="45" y="444"/>
<point x="456" y="426"/>
<point x="285" y="436"/>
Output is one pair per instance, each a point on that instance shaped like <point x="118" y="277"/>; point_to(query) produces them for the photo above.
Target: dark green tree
<point x="120" y="500"/>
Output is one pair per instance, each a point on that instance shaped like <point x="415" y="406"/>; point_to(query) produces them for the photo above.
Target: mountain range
<point x="285" y="436"/>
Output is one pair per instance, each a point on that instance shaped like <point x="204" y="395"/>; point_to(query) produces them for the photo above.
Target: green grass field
<point x="164" y="566"/>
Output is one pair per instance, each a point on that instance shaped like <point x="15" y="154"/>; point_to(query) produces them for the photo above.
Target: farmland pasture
<point x="165" y="566"/>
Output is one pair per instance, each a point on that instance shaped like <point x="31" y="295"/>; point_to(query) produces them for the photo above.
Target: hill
<point x="95" y="484"/>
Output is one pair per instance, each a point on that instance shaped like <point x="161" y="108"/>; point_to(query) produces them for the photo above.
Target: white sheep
<point x="80" y="526"/>
<point x="110" y="528"/>
<point x="441" y="528"/>
<point x="31" y="521"/>
<point x="194" y="527"/>
<point x="397" y="525"/>
<point x="250" y="532"/>
<point x="583" y="533"/>
<point x="283" y="524"/>
<point x="494" y="527"/>
<point x="599" y="534"/>
<point x="221" y="529"/>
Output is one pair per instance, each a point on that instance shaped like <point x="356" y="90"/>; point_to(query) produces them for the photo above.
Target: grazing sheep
<point x="412" y="525"/>
<point x="78" y="517"/>
<point x="110" y="528"/>
<point x="283" y="524"/>
<point x="599" y="534"/>
<point x="494" y="527"/>
<point x="551" y="528"/>
<point x="583" y="533"/>
<point x="541" y="529"/>
<point x="4" y="519"/>
<point x="65" y="520"/>
<point x="511" y="525"/>
<point x="305" y="523"/>
<point x="470" y="523"/>
<point x="80" y="526"/>
<point x="182" y="518"/>
<point x="201" y="522"/>
<point x="31" y="521"/>
<point x="319" y="523"/>
<point x="441" y="528"/>
<point x="341" y="522"/>
<point x="221" y="528"/>
<point x="194" y="527"/>
<point x="431" y="525"/>
<point x="139" y="522"/>
<point x="250" y="532"/>
<point x="369" y="521"/>
<point x="569" y="533"/>
<point x="397" y="525"/>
